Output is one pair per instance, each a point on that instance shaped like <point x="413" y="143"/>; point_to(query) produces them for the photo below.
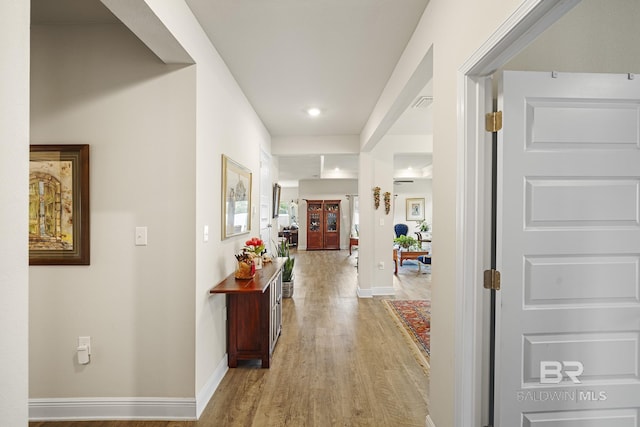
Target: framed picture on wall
<point x="415" y="209"/>
<point x="59" y="205"/>
<point x="236" y="198"/>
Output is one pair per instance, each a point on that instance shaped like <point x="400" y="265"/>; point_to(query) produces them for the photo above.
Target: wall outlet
<point x="381" y="265"/>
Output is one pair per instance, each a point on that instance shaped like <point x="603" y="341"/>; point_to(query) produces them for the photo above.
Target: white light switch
<point x="206" y="233"/>
<point x="381" y="222"/>
<point x="84" y="350"/>
<point x="141" y="236"/>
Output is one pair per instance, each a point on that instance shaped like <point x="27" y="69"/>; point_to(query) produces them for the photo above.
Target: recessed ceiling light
<point x="313" y="112"/>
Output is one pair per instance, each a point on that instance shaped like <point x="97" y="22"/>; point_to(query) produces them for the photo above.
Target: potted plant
<point x="406" y="242"/>
<point x="288" y="277"/>
<point x="282" y="249"/>
<point x="424" y="227"/>
<point x="287" y="270"/>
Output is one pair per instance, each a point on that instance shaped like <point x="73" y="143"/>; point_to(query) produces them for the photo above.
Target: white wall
<point x="322" y="144"/>
<point x="99" y="85"/>
<point x="597" y="36"/>
<point x="327" y="189"/>
<point x="421" y="189"/>
<point x="14" y="178"/>
<point x="376" y="226"/>
<point x="225" y="124"/>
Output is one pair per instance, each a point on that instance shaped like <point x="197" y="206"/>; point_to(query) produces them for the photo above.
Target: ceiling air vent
<point x="422" y="102"/>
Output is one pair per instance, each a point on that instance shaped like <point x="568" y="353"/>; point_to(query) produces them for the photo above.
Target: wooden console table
<point x="254" y="313"/>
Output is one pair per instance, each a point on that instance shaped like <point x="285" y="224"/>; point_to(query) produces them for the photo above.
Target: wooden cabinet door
<point x="276" y="310"/>
<point x="331" y="224"/>
<point x="315" y="221"/>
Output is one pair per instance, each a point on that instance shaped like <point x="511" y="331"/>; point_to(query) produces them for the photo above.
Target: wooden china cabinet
<point x="323" y="224"/>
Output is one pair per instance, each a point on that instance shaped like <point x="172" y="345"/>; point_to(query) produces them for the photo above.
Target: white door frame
<point x="474" y="202"/>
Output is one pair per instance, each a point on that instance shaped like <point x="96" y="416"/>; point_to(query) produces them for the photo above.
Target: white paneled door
<point x="265" y="199"/>
<point x="568" y="248"/>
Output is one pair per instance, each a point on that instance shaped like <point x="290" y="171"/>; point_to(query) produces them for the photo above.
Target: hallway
<point x="340" y="360"/>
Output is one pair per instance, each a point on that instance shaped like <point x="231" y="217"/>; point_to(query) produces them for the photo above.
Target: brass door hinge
<point x="493" y="121"/>
<point x="492" y="279"/>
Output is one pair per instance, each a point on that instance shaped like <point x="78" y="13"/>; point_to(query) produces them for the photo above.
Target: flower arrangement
<point x="387" y="202"/>
<point x="376" y="197"/>
<point x="254" y="245"/>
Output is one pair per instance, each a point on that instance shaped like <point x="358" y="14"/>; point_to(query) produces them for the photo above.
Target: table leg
<point x="395" y="261"/>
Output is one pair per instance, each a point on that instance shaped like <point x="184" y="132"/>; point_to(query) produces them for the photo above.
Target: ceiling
<point x="288" y="55"/>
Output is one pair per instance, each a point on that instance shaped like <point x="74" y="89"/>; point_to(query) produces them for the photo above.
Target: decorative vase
<point x="257" y="261"/>
<point x="245" y="270"/>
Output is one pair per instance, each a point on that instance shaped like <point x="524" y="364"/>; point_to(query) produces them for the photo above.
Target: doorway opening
<point x="508" y="49"/>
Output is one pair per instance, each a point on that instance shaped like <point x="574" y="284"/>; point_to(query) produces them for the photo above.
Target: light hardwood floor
<point x="340" y="361"/>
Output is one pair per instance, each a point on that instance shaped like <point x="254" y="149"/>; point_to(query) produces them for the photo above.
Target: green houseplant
<point x="406" y="242"/>
<point x="287" y="271"/>
<point x="282" y="250"/>
<point x="424" y="227"/>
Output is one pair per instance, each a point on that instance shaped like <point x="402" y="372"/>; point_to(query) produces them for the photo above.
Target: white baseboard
<point x="370" y="293"/>
<point x="108" y="408"/>
<point x="430" y="422"/>
<point x="364" y="293"/>
<point x="128" y="408"/>
<point x="211" y="386"/>
<point x="383" y="291"/>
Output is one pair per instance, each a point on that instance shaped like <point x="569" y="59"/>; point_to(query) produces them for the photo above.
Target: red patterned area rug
<point x="414" y="319"/>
